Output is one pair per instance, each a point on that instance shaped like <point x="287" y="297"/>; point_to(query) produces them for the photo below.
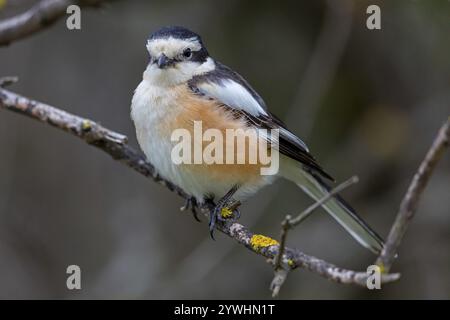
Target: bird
<point x="181" y="85"/>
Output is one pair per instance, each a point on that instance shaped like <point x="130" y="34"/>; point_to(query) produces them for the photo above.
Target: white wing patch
<point x="233" y="95"/>
<point x="236" y="96"/>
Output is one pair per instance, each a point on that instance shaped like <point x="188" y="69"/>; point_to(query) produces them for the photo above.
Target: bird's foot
<point x="223" y="211"/>
<point x="230" y="212"/>
<point x="191" y="203"/>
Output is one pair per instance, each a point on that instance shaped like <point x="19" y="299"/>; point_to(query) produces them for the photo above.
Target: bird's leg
<point x="191" y="203"/>
<point x="221" y="211"/>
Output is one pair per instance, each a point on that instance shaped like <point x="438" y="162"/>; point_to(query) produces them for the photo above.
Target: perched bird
<point x="183" y="84"/>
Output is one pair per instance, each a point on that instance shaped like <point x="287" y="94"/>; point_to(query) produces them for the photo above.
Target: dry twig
<point x="288" y="223"/>
<point x="411" y="199"/>
<point x="40" y="16"/>
<point x="398" y="229"/>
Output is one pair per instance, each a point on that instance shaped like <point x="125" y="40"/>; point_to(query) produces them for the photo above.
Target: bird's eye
<point x="187" y="53"/>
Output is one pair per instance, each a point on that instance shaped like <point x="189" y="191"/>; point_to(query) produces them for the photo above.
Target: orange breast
<point x="238" y="148"/>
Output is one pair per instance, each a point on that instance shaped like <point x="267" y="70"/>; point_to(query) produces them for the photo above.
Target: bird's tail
<point x="313" y="185"/>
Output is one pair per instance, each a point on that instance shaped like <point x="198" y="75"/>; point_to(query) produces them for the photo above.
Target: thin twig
<point x="298" y="259"/>
<point x="411" y="199"/>
<point x="278" y="280"/>
<point x="288" y="223"/>
<point x="40" y="16"/>
<point x="100" y="137"/>
<point x="306" y="213"/>
<point x="285" y="225"/>
<point x="280" y="272"/>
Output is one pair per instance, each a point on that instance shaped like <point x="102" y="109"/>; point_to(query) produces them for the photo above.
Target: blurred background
<point x="368" y="103"/>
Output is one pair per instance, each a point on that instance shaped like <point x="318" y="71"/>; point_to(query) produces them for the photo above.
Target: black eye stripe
<point x="199" y="56"/>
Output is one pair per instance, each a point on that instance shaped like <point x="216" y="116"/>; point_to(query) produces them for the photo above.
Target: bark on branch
<point x="407" y="210"/>
<point x="40" y="16"/>
<point x="411" y="199"/>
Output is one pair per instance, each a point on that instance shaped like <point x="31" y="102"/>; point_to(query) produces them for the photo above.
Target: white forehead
<point x="171" y="47"/>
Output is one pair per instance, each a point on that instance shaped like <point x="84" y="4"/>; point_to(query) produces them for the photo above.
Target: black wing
<point x="235" y="94"/>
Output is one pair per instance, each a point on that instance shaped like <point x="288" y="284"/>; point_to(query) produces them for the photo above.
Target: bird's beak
<point x="163" y="61"/>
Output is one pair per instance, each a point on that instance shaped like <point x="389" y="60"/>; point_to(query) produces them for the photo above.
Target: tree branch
<point x="411" y="199"/>
<point x="40" y="16"/>
<point x="398" y="229"/>
<point x="91" y="132"/>
<point x="116" y="145"/>
<point x="288" y="223"/>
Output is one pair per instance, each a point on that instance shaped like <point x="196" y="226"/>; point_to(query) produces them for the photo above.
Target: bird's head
<point x="176" y="56"/>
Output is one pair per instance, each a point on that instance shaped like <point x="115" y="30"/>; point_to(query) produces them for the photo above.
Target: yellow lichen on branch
<point x="226" y="213"/>
<point x="258" y="241"/>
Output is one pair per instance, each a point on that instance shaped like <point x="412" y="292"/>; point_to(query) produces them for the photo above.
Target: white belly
<point x="152" y="108"/>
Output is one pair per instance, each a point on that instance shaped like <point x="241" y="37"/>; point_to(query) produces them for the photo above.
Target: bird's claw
<point x="191" y="203"/>
<point x="230" y="212"/>
<point x="223" y="212"/>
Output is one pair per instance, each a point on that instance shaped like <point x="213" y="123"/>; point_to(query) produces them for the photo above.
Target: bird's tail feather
<point x="313" y="185"/>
